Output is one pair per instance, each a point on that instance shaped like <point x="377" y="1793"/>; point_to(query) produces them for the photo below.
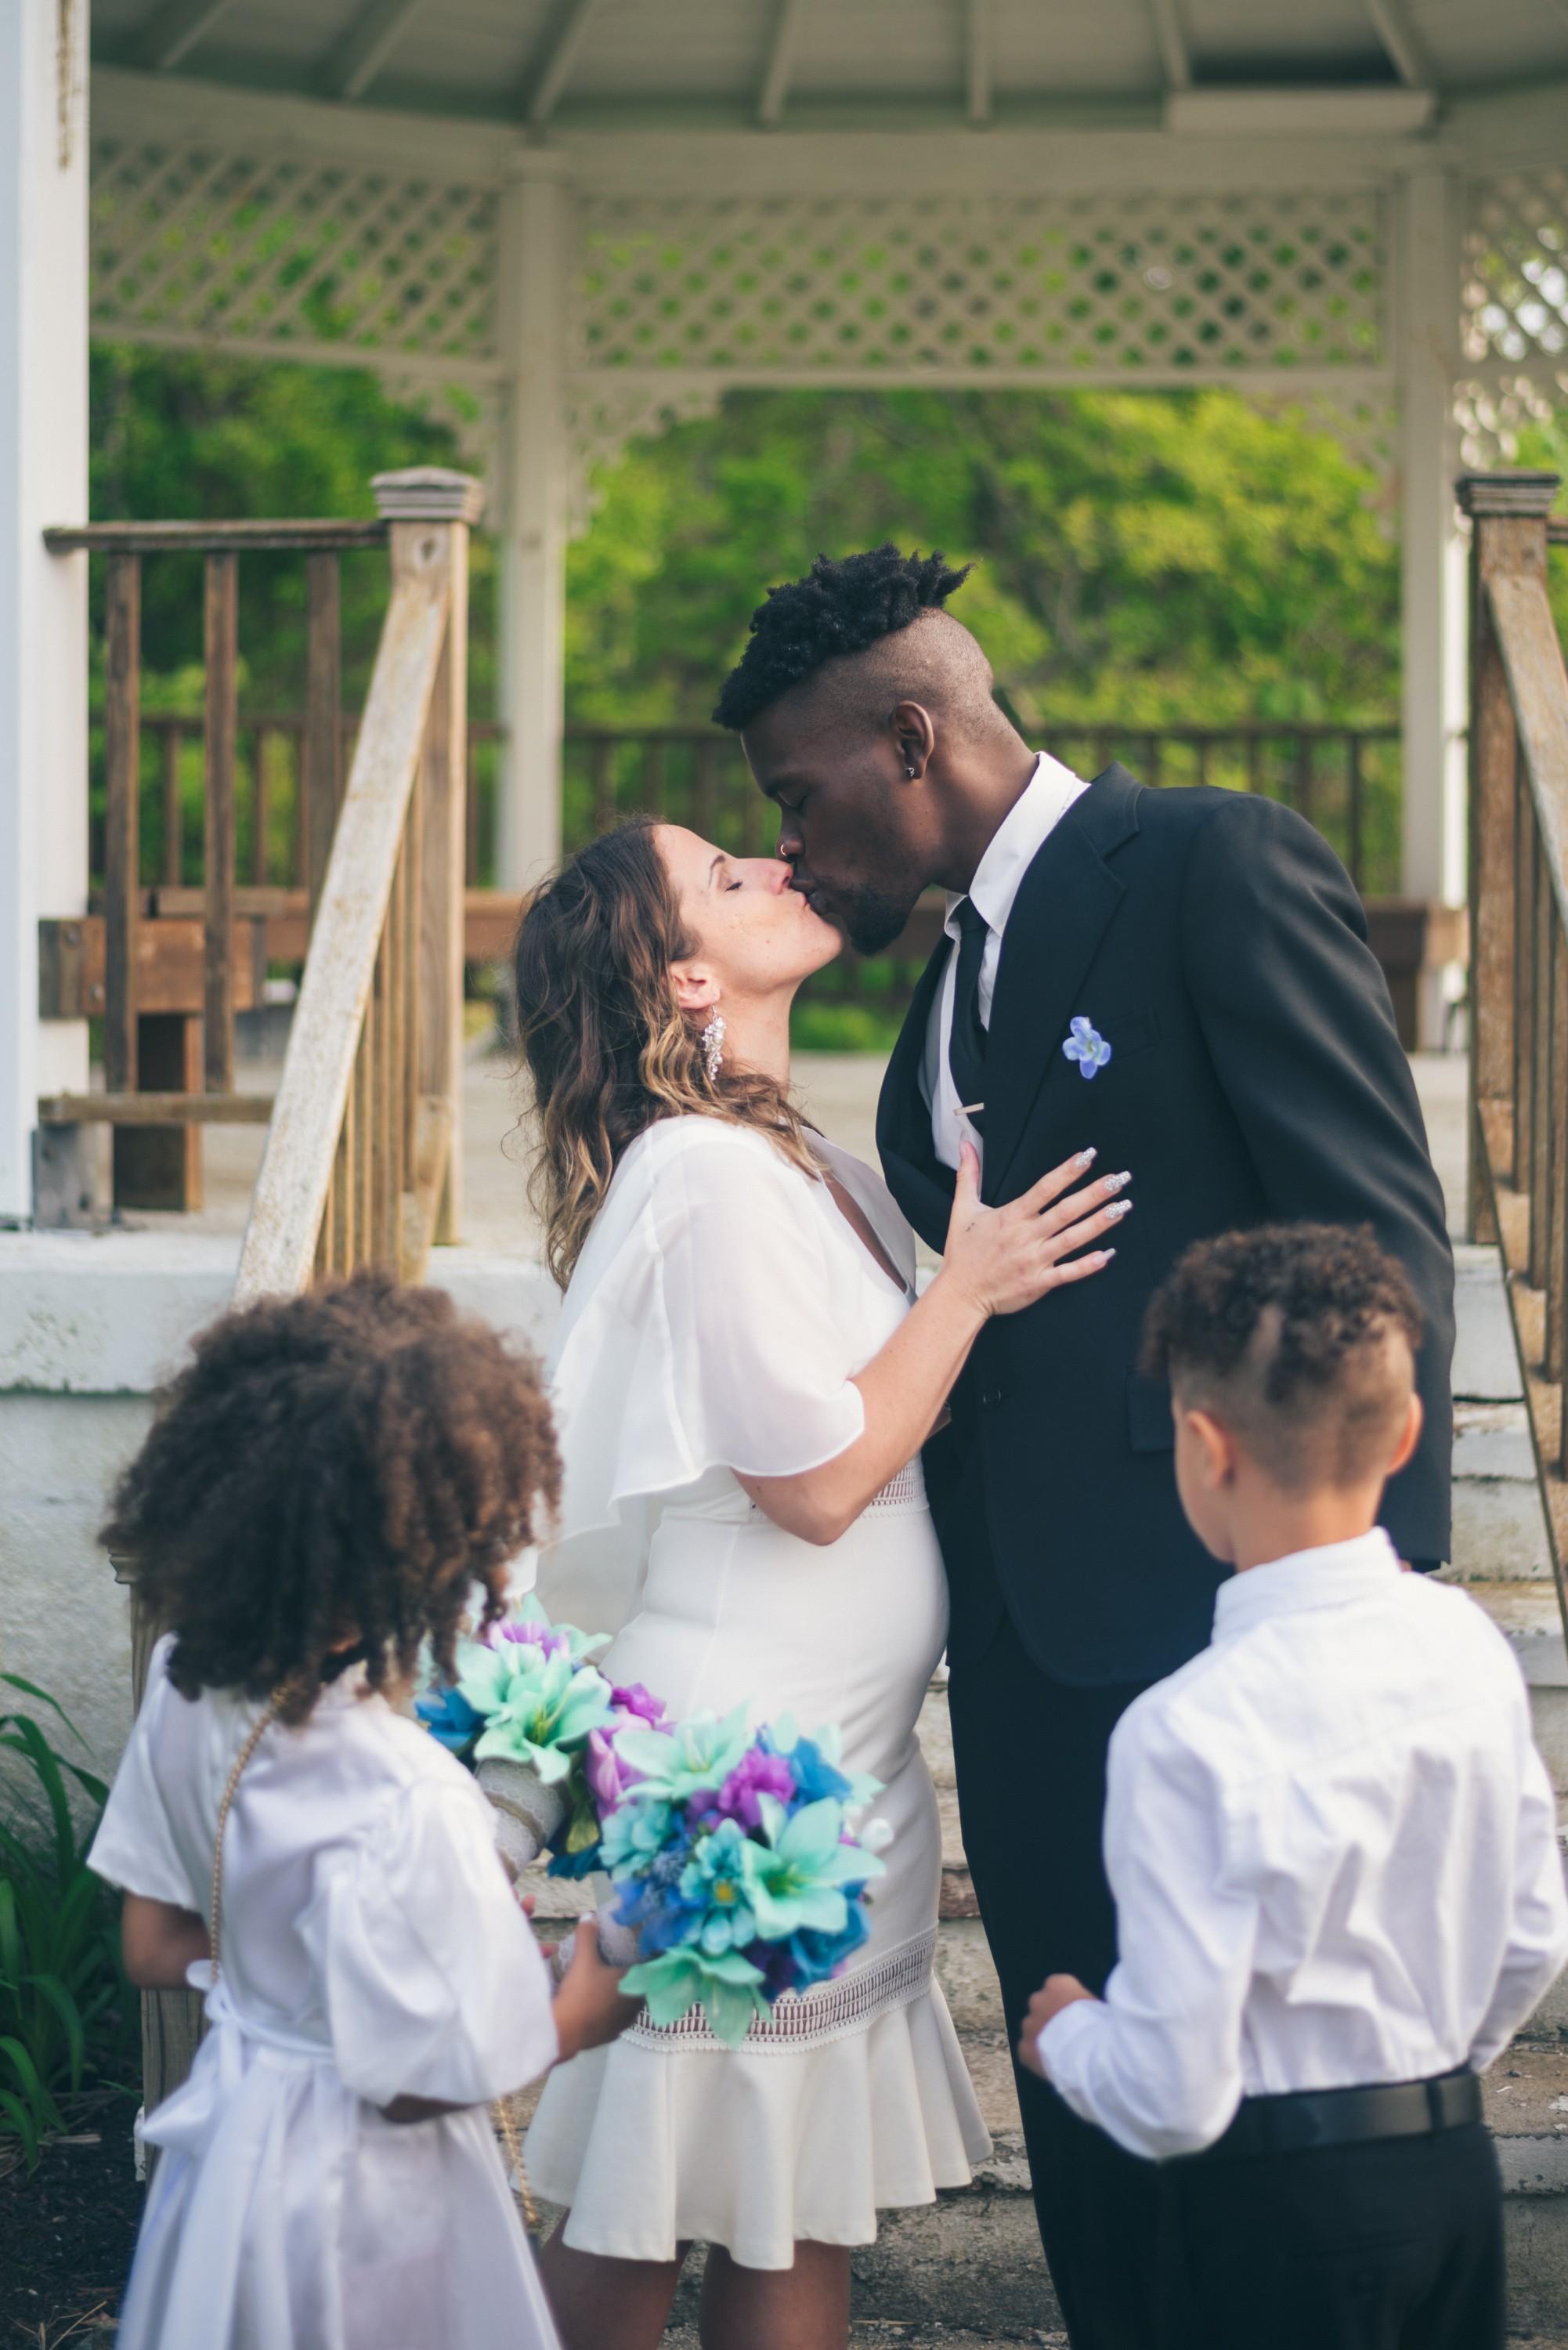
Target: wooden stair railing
<point x="361" y="1163"/>
<point x="1519" y="984"/>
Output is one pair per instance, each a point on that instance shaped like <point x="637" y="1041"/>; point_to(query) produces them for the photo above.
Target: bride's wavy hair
<point x="607" y="1050"/>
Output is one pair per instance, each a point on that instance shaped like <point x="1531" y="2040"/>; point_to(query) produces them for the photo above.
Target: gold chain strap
<point x="263" y="1723"/>
<point x="501" y="2107"/>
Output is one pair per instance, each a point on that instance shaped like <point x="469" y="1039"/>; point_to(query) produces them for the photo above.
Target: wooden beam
<point x="780" y="68"/>
<point x="1173" y="48"/>
<point x="364" y="48"/>
<point x="978" y="31"/>
<point x="1406" y="51"/>
<point x="173" y="30"/>
<point x="549" y="68"/>
<point x="309" y="538"/>
<point x="154" y="1110"/>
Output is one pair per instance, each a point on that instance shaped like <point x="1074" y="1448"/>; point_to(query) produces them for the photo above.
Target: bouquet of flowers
<point x="733" y="1862"/>
<point x="539" y="1723"/>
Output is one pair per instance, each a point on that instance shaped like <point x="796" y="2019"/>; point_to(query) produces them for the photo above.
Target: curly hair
<point x="607" y="1048"/>
<point x="840" y="607"/>
<point x="1283" y="1333"/>
<point x="338" y="1467"/>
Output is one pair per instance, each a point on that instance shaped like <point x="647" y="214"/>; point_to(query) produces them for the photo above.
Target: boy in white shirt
<point x="1332" y="1845"/>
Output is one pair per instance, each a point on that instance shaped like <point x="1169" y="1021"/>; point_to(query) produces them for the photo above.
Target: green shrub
<point x="67" y="2015"/>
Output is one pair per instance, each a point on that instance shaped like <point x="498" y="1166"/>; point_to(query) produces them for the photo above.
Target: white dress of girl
<point x="713" y="1325"/>
<point x="372" y="1950"/>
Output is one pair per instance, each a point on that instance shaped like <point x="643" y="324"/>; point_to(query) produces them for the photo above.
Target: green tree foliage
<point x="1141" y="557"/>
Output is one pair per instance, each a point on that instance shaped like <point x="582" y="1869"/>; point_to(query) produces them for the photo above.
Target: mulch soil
<point x="66" y="2231"/>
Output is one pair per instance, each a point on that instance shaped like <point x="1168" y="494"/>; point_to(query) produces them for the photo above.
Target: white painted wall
<point x="43" y="597"/>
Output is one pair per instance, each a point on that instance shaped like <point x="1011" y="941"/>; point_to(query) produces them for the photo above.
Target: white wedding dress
<point x="713" y="1324"/>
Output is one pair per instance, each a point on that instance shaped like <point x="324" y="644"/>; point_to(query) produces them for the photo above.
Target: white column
<point x="534" y="310"/>
<point x="1427" y="328"/>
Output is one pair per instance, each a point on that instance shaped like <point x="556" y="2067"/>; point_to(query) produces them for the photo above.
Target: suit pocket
<point x="1150" y="1425"/>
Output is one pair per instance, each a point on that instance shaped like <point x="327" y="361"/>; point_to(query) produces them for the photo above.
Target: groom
<point x="1182" y="980"/>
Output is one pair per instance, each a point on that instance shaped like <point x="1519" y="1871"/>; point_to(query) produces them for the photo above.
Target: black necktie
<point x="966" y="1049"/>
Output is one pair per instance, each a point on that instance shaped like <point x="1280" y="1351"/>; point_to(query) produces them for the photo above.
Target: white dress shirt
<point x="1017" y="841"/>
<point x="1333" y="1847"/>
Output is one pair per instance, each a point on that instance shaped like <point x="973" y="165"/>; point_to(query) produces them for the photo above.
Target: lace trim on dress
<point x="804" y="2021"/>
<point x="907" y="1490"/>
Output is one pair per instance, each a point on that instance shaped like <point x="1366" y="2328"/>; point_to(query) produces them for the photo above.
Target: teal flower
<point x="715" y="1882"/>
<point x="728" y="1987"/>
<point x="690" y="1758"/>
<point x="632" y="1834"/>
<point x="539" y="1707"/>
<point x="817" y="1765"/>
<point x="794" y="1879"/>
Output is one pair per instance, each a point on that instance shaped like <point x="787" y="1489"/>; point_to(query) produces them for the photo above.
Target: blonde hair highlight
<point x="607" y="1050"/>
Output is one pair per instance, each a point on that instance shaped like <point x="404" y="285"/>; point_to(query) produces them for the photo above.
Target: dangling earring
<point x="713" y="1045"/>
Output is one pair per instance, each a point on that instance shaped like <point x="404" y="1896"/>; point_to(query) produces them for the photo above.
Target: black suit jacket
<point x="1218" y="944"/>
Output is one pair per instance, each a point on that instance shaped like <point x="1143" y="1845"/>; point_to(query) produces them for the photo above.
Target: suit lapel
<point x="1066" y="899"/>
<point x="921" y="1185"/>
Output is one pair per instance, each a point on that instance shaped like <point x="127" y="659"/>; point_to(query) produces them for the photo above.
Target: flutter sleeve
<point x="699" y="1333"/>
<point x="135" y="1846"/>
<point x="431" y="1979"/>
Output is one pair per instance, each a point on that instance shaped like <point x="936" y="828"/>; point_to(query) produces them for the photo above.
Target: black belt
<point x="1314" y="2118"/>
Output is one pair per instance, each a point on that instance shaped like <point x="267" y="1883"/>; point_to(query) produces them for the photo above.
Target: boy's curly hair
<point x="342" y="1465"/>
<point x="1282" y="1332"/>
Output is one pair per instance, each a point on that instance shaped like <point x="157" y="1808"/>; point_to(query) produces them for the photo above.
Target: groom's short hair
<point x="1300" y="1338"/>
<point x="843" y="606"/>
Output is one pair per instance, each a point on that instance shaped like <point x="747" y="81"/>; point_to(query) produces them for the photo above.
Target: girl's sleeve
<point x="431" y="1981"/>
<point x="135" y="1847"/>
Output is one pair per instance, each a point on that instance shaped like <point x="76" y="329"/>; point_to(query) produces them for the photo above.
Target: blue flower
<point x="1087" y="1047"/>
<point x="715" y="1882"/>
<point x="817" y="1955"/>
<point x="448" y="1715"/>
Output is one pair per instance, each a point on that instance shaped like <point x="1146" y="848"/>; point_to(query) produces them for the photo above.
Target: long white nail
<point x="1120" y="1208"/>
<point x="1117" y="1182"/>
<point x="1085" y="1158"/>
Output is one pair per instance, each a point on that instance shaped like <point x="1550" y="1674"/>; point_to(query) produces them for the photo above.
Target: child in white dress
<point x="321" y="1492"/>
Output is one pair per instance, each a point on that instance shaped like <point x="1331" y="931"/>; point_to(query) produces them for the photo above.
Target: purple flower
<point x="637" y="1701"/>
<point x="607" y="1775"/>
<point x="756" y="1773"/>
<point x="531" y="1634"/>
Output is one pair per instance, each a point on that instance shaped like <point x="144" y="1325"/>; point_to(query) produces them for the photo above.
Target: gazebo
<point x="577" y="219"/>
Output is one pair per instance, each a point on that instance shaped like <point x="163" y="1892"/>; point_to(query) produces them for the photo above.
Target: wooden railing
<point x="362" y="1163"/>
<point x="1345" y="779"/>
<point x="1519" y="901"/>
<point x="167" y="1071"/>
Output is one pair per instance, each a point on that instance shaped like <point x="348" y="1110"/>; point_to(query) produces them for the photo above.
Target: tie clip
<point x="971" y="1109"/>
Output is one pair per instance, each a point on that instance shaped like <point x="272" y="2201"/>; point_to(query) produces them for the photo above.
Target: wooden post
<point x="222" y="722"/>
<point x="431" y="511"/>
<point x="321" y="751"/>
<point x="1508" y="514"/>
<point x="122" y="793"/>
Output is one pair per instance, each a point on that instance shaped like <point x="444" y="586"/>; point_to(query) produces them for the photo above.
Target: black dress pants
<point x="1393" y="2245"/>
<point x="1031" y="1759"/>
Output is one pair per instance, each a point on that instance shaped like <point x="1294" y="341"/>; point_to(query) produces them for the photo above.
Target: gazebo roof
<point x="820" y="64"/>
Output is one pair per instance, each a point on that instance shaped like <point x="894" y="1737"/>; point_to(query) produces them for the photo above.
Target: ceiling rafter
<point x="365" y="47"/>
<point x="550" y="67"/>
<point x="1406" y="51"/>
<point x="780" y="67"/>
<point x="173" y="30"/>
<point x="978" y="31"/>
<point x="1174" y="52"/>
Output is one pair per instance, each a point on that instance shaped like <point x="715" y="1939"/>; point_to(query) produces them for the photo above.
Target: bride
<point x="742" y="1378"/>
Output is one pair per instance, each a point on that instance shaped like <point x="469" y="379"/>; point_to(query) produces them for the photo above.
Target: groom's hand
<point x="1059" y="1992"/>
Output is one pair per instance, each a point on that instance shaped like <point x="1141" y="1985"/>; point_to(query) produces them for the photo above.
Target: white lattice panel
<point x="1148" y="287"/>
<point x="1516" y="272"/>
<point x="291" y="253"/>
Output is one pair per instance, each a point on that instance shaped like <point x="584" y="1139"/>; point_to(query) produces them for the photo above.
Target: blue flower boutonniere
<point x="1085" y="1046"/>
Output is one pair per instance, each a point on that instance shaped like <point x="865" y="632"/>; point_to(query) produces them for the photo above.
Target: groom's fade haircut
<point x="1300" y="1338"/>
<point x="850" y="630"/>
